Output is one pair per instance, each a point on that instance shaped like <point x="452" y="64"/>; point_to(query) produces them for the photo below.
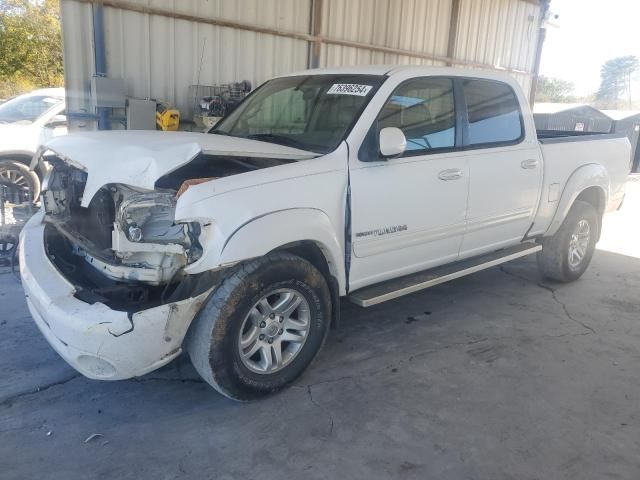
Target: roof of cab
<point x="393" y="69"/>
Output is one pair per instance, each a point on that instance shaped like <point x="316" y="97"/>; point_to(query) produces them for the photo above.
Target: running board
<point x="397" y="287"/>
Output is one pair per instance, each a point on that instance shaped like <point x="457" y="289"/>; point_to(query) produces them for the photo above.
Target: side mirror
<point x="57" y="121"/>
<point x="392" y="142"/>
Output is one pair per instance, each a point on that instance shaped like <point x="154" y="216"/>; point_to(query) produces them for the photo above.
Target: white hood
<point x="139" y="158"/>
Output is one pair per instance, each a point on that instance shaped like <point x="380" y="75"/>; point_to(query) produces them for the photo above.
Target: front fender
<point x="267" y="232"/>
<point x="591" y="175"/>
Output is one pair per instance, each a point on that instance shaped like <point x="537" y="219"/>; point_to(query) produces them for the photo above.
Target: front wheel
<point x="566" y="255"/>
<point x="262" y="326"/>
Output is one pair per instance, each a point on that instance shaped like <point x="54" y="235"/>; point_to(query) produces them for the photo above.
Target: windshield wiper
<point x="279" y="139"/>
<point x="220" y="132"/>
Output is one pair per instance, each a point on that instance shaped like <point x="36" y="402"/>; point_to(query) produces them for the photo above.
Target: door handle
<point x="528" y="164"/>
<point x="451" y="174"/>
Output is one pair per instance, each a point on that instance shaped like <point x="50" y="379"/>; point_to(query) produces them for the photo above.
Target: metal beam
<point x="453" y="29"/>
<point x="221" y="22"/>
<point x="542" y="33"/>
<point x="100" y="58"/>
<point x="316" y="31"/>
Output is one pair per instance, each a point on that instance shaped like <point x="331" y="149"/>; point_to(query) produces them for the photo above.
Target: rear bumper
<point x="97" y="341"/>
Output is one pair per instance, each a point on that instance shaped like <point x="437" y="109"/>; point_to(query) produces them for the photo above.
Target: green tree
<point x="616" y="76"/>
<point x="551" y="89"/>
<point x="30" y="45"/>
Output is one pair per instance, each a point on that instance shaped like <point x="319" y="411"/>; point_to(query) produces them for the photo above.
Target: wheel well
<point x="313" y="253"/>
<point x="19" y="157"/>
<point x="595" y="197"/>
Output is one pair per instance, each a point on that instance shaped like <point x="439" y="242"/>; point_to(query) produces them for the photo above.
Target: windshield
<point x="26" y="109"/>
<point x="313" y="112"/>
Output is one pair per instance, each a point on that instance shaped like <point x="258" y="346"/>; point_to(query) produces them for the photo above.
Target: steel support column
<point x="316" y="31"/>
<point x="100" y="58"/>
<point x="453" y="30"/>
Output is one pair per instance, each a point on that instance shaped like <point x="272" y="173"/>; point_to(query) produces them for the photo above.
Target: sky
<point x="588" y="33"/>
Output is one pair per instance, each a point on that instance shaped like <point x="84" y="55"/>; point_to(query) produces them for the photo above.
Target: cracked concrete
<point x="554" y="295"/>
<point x="8" y="401"/>
<point x="322" y="408"/>
<point x="506" y="377"/>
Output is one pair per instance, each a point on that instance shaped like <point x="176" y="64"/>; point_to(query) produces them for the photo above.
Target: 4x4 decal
<point x="382" y="231"/>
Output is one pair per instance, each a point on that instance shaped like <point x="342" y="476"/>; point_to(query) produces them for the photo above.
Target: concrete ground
<point x="498" y="375"/>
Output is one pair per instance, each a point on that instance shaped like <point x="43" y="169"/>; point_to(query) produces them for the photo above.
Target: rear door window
<point x="494" y="112"/>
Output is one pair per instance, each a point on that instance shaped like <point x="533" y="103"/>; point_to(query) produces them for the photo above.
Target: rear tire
<point x="24" y="185"/>
<point x="566" y="255"/>
<point x="279" y="308"/>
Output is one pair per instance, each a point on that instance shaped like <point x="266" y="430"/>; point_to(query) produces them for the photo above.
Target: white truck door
<point x="505" y="168"/>
<point x="408" y="213"/>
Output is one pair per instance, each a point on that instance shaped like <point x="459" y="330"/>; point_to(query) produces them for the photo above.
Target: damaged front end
<point x="119" y="244"/>
<point x="110" y="275"/>
<point x="124" y="249"/>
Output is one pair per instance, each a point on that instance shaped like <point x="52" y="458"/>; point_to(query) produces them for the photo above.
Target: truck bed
<point x="559" y="136"/>
<point x="564" y="153"/>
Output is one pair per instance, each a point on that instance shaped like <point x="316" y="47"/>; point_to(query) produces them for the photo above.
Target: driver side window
<point x="424" y="110"/>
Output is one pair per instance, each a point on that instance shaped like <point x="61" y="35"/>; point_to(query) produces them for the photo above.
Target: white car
<point x="26" y="122"/>
<point x="365" y="182"/>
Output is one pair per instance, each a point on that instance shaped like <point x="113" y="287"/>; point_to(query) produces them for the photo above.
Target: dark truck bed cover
<point x="561" y="136"/>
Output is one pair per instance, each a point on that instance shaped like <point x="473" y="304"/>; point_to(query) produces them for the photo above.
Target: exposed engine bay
<point x="125" y="247"/>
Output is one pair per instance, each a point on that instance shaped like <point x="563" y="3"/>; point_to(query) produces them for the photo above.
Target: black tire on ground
<point x="26" y="184"/>
<point x="553" y="260"/>
<point x="212" y="340"/>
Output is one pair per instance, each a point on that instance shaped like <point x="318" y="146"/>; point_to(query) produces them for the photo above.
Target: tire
<point x="554" y="259"/>
<point x="235" y="313"/>
<point x="26" y="183"/>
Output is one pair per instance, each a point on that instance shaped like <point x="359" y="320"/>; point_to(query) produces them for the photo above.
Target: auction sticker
<point x="349" y="89"/>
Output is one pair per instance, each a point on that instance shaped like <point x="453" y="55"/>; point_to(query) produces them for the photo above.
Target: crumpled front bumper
<point x="99" y="342"/>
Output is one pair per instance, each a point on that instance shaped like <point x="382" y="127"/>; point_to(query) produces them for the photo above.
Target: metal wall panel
<point x="502" y="33"/>
<point x="77" y="40"/>
<point x="499" y="33"/>
<point x="416" y="25"/>
<point x="159" y="57"/>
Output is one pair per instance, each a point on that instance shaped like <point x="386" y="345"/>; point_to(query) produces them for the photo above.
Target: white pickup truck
<point x="236" y="245"/>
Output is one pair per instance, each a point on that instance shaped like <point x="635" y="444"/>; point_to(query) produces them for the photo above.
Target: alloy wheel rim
<point x="274" y="331"/>
<point x="15" y="180"/>
<point x="579" y="243"/>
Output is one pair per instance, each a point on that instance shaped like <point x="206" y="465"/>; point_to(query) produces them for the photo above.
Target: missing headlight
<point x="149" y="217"/>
